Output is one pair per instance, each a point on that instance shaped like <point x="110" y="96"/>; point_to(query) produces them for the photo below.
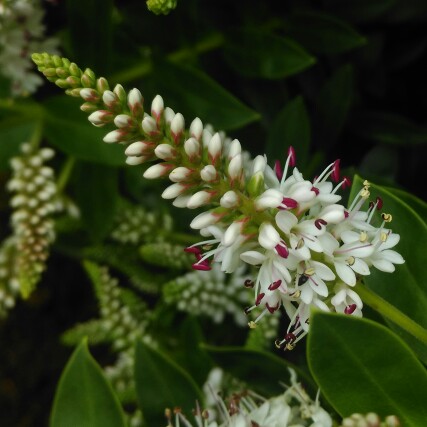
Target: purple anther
<point x="272" y="309"/>
<point x="289" y="203"/>
<point x="335" y="175"/>
<point x="379" y="203"/>
<point x="290" y="338"/>
<point x="346" y="214"/>
<point x="278" y="170"/>
<point x="201" y="266"/>
<point x="315" y="190"/>
<point x="282" y="250"/>
<point x="346" y="182"/>
<point x="350" y="309"/>
<point x="259" y="298"/>
<point x="275" y="285"/>
<point x="292" y="157"/>
<point x="319" y="222"/>
<point x="193" y="250"/>
<point x="248" y="283"/>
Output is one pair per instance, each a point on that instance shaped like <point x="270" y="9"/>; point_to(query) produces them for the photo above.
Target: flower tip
<point x="291" y="156"/>
<point x="335" y="175"/>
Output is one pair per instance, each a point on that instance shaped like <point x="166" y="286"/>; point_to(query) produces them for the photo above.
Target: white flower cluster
<point x="292" y="408"/>
<point x="211" y="293"/>
<point x="21" y="33"/>
<point x="370" y="420"/>
<point x="34" y="202"/>
<point x="9" y="284"/>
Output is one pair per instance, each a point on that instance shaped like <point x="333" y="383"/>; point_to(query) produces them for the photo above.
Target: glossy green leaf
<point x="197" y="95"/>
<point x="13" y="133"/>
<point x="68" y="129"/>
<point x="161" y="384"/>
<point x="262" y="371"/>
<point x="322" y="33"/>
<point x="388" y="128"/>
<point x="361" y="366"/>
<point x="90" y="27"/>
<point x="84" y="397"/>
<point x="333" y="104"/>
<point x="256" y="54"/>
<point x="291" y="127"/>
<point x="97" y="195"/>
<point x="405" y="288"/>
<point x="418" y="205"/>
<point x="359" y="10"/>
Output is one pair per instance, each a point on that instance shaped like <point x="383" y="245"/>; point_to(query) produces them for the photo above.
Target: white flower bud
<point x="235" y="148"/>
<point x="203" y="220"/>
<point x="231" y="233"/>
<point x="180" y="174"/>
<point x="199" y="199"/>
<point x="214" y="147"/>
<point x="174" y="190"/>
<point x="109" y="98"/>
<point x="169" y="115"/>
<point x="259" y="164"/>
<point x="100" y="117"/>
<point x="235" y="166"/>
<point x="268" y="236"/>
<point x="206" y="137"/>
<point x="271" y="198"/>
<point x="181" y="201"/>
<point x="114" y="136"/>
<point x="332" y="214"/>
<point x="229" y="200"/>
<point x="192" y="148"/>
<point x="165" y="152"/>
<point x="158" y="170"/>
<point x="136" y="148"/>
<point x="135" y="160"/>
<point x="149" y="125"/>
<point x="123" y="121"/>
<point x="89" y="95"/>
<point x="208" y="173"/>
<point x="135" y="102"/>
<point x="196" y="128"/>
<point x="177" y="124"/>
<point x="157" y="106"/>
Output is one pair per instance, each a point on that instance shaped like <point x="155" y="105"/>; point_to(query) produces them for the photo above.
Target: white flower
<point x="346" y="301"/>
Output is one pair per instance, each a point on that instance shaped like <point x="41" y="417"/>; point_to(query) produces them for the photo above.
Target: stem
<point x="37" y="135"/>
<point x="391" y="312"/>
<point x="65" y="174"/>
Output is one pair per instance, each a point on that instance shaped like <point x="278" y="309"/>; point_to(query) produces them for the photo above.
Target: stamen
<point x="201" y="266"/>
<point x="282" y="250"/>
<point x="324" y="175"/>
<point x="259" y="298"/>
<point x="346" y="182"/>
<point x="315" y="190"/>
<point x="272" y="309"/>
<point x="193" y="250"/>
<point x="384" y="237"/>
<point x="296" y="294"/>
<point x="350" y="260"/>
<point x="319" y="222"/>
<point x="292" y="157"/>
<point x="288" y="203"/>
<point x="300" y="244"/>
<point x="366" y="183"/>
<point x="363" y="237"/>
<point x="309" y="271"/>
<point x="278" y="170"/>
<point x="302" y="279"/>
<point x="352" y="249"/>
<point x="252" y="324"/>
<point x="379" y="203"/>
<point x="387" y="217"/>
<point x="335" y="175"/>
<point x="248" y="283"/>
<point x="365" y="192"/>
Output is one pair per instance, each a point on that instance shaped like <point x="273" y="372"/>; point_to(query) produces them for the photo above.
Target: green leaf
<point x="94" y="330"/>
<point x="333" y="104"/>
<point x="322" y="33"/>
<point x="388" y="128"/>
<point x="262" y="371"/>
<point x="359" y="11"/>
<point x="161" y="384"/>
<point x="68" y="129"/>
<point x="97" y="195"/>
<point x="405" y="288"/>
<point x="291" y="127"/>
<point x="13" y="133"/>
<point x="197" y="95"/>
<point x="418" y="205"/>
<point x="84" y="397"/>
<point x="363" y="367"/>
<point x="256" y="54"/>
<point x="90" y="27"/>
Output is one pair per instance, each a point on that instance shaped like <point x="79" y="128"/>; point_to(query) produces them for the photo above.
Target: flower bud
<point x="89" y="95"/>
<point x="138" y="148"/>
<point x="214" y="148"/>
<point x="255" y="185"/>
<point x="123" y="121"/>
<point x="196" y="128"/>
<point x="203" y="220"/>
<point x="158" y="170"/>
<point x="232" y="233"/>
<point x="259" y="164"/>
<point x="229" y="200"/>
<point x="235" y="149"/>
<point x="180" y="174"/>
<point x="208" y="173"/>
<point x="101" y="117"/>
<point x="192" y="148"/>
<point x="199" y="199"/>
<point x="110" y="99"/>
<point x="149" y="125"/>
<point x="117" y="135"/>
<point x="174" y="190"/>
<point x="135" y="160"/>
<point x="268" y="236"/>
<point x="271" y="198"/>
<point x="332" y="214"/>
<point x="135" y="103"/>
<point x="157" y="107"/>
<point x="177" y="127"/>
<point x="165" y="152"/>
<point x="235" y="167"/>
<point x="169" y="115"/>
<point x="120" y="92"/>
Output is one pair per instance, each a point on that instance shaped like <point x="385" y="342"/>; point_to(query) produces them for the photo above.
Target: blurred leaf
<point x="407" y="11"/>
<point x="256" y="54"/>
<point x="322" y="33"/>
<point x="97" y="195"/>
<point x="333" y="104"/>
<point x="291" y="127"/>
<point x="388" y="128"/>
<point x="418" y="205"/>
<point x="197" y="95"/>
<point x="363" y="367"/>
<point x="90" y="26"/>
<point x="13" y="133"/>
<point x="405" y="288"/>
<point x="194" y="359"/>
<point x="161" y="384"/>
<point x="262" y="371"/>
<point x="359" y="11"/>
<point x="84" y="397"/>
<point x="68" y="129"/>
<point x="381" y="161"/>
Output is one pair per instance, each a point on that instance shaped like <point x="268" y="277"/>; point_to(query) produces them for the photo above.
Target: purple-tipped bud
<point x="158" y="170"/>
<point x="229" y="200"/>
<point x="214" y="148"/>
<point x="335" y="175"/>
<point x="180" y="174"/>
<point x="196" y="128"/>
<point x="177" y="127"/>
<point x="123" y="121"/>
<point x="149" y="126"/>
<point x="110" y="99"/>
<point x="157" y="107"/>
<point x="192" y="148"/>
<point x="89" y="95"/>
<point x="208" y="173"/>
<point x="101" y="117"/>
<point x="292" y="157"/>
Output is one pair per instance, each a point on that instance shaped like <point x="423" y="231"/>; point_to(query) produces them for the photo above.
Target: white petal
<point x="268" y="237"/>
<point x="392" y="256"/>
<point x="383" y="265"/>
<point x="392" y="240"/>
<point x="339" y="297"/>
<point x="355" y="297"/>
<point x="253" y="257"/>
<point x="360" y="267"/>
<point x="345" y="273"/>
<point x="286" y="220"/>
<point x="323" y="271"/>
<point x="307" y="294"/>
<point x="318" y="285"/>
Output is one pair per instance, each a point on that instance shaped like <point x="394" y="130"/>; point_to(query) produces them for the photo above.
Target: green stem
<point x="37" y="135"/>
<point x="390" y="312"/>
<point x="65" y="174"/>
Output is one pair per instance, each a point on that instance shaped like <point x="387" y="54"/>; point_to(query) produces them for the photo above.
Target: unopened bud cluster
<point x="370" y="420"/>
<point x="34" y="202"/>
<point x="211" y="293"/>
<point x="9" y="283"/>
<point x="134" y="225"/>
<point x="167" y="255"/>
<point x="310" y="250"/>
<point x="22" y="32"/>
<point x="161" y="7"/>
